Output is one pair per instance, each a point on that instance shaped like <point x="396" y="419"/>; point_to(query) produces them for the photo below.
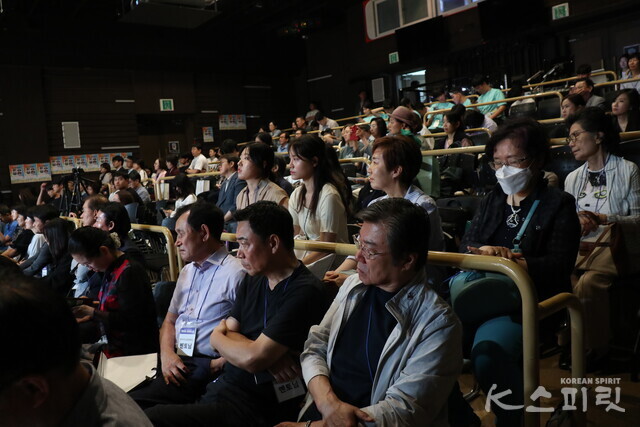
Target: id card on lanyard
<point x="187" y="333"/>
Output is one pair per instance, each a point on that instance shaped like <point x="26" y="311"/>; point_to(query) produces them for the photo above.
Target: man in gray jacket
<point x="389" y="350"/>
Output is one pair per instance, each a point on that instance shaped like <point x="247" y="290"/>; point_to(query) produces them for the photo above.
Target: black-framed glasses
<point x="366" y="252"/>
<point x="574" y="136"/>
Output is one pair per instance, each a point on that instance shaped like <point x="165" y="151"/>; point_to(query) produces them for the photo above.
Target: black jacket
<point x="550" y="243"/>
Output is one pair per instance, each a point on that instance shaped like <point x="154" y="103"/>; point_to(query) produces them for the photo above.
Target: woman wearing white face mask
<point x="547" y="248"/>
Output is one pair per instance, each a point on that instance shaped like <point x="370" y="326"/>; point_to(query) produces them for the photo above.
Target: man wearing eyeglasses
<point x="389" y="350"/>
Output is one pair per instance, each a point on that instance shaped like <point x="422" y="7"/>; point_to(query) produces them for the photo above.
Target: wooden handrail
<point x="532" y="311"/>
<point x="472" y="130"/>
<point x="617" y="82"/>
<point x="568" y="79"/>
<point x="76" y="221"/>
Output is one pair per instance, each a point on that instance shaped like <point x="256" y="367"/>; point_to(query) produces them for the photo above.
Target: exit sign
<point x="394" y="58"/>
<point x="560" y="11"/>
<point x="166" y="105"/>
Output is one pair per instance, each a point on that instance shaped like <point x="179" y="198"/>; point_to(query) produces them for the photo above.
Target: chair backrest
<point x="527" y="109"/>
<point x="132" y="210"/>
<point x="562" y="163"/>
<point x="549" y="108"/>
<point x="630" y="150"/>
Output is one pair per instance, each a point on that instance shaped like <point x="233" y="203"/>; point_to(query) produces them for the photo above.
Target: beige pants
<point x="592" y="288"/>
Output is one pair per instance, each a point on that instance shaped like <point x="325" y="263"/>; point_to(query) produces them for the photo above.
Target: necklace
<point x="513" y="220"/>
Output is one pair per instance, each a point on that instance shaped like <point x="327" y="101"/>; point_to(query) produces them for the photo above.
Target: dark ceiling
<point x="89" y="33"/>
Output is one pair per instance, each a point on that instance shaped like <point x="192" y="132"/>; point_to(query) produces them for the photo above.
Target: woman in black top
<point x="456" y="170"/>
<point x="125" y="313"/>
<point x="57" y="273"/>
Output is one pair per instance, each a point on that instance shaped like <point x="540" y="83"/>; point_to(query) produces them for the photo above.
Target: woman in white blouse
<point x="186" y="193"/>
<point x="318" y="206"/>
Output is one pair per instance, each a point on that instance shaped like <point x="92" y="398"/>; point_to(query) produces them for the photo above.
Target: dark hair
<point x="123" y="174"/>
<point x="96" y="202"/>
<point x="86" y="241"/>
<point x="381" y="125"/>
<point x="173" y="159"/>
<point x="594" y="119"/>
<point x="203" y="213"/>
<point x="584" y="69"/>
<point x="479" y="79"/>
<point x="231" y="159"/>
<point x="576" y="100"/>
<point x="307" y="147"/>
<point x="130" y="158"/>
<point x="400" y="151"/>
<point x="587" y="81"/>
<point x="26" y="196"/>
<point x="530" y="133"/>
<point x="125" y="197"/>
<point x="183" y="185"/>
<point x="20" y="209"/>
<point x="117" y="159"/>
<point x="633" y="96"/>
<point x="635" y="55"/>
<point x="140" y="163"/>
<point x="228" y="146"/>
<point x="473" y="118"/>
<point x="9" y="269"/>
<point x="185" y="156"/>
<point x="387" y="104"/>
<point x="406" y="226"/>
<point x="267" y="218"/>
<point x="302" y="131"/>
<point x="286" y="135"/>
<point x="162" y="163"/>
<point x="116" y="213"/>
<point x="30" y="310"/>
<point x="366" y="104"/>
<point x="4" y="209"/>
<point x="106" y="166"/>
<point x="94" y="186"/>
<point x="405" y="102"/>
<point x="262" y="157"/>
<point x="282" y="166"/>
<point x="134" y="175"/>
<point x="265" y="138"/>
<point x="456" y="114"/>
<point x="319" y="116"/>
<point x="197" y="146"/>
<point x="57" y="233"/>
<point x="45" y="212"/>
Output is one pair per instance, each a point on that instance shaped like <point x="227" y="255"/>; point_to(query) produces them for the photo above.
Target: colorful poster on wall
<point x="44" y="171"/>
<point x="56" y="164"/>
<point x="16" y="172"/>
<point x="30" y="172"/>
<point x="104" y="158"/>
<point x="93" y="163"/>
<point x="241" y="122"/>
<point x="207" y="134"/>
<point x="223" y="122"/>
<point x="80" y="161"/>
<point x="68" y="163"/>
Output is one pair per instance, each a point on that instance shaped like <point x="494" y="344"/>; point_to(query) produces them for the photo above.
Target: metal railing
<point x="532" y="311"/>
<point x="617" y="82"/>
<point x="76" y="221"/>
<point x="569" y="79"/>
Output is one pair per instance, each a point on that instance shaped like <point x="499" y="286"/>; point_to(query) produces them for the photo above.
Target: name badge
<point x="289" y="389"/>
<point x="186" y="341"/>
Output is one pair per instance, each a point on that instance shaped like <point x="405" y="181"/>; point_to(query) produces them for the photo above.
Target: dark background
<point x="69" y="60"/>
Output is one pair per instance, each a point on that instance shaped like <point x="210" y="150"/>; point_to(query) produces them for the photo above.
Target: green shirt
<point x="491" y="95"/>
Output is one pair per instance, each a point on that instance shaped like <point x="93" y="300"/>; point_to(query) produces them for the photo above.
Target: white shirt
<point x="191" y="198"/>
<point x="330" y="217"/>
<point x="200" y="163"/>
<point x="37" y="241"/>
<point x="204" y="295"/>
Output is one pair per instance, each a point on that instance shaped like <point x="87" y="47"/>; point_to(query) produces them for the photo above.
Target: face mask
<point x="405" y="132"/>
<point x="512" y="179"/>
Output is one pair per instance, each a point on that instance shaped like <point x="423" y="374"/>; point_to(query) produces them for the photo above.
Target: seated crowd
<point x="255" y="332"/>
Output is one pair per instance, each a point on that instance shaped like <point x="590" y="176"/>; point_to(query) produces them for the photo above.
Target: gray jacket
<point x="420" y="361"/>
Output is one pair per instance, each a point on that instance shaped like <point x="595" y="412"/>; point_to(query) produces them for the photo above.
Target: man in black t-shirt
<point x="275" y="306"/>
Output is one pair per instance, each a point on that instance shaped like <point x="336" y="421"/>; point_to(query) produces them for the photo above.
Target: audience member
<point x="436" y="121"/>
<point x="584" y="87"/>
<point x="186" y="193"/>
<point x="378" y="128"/>
<point x="19" y="243"/>
<point x="454" y="176"/>
<point x="10" y="225"/>
<point x="105" y="176"/>
<point x="117" y="162"/>
<point x="230" y="187"/>
<point x="172" y="165"/>
<point x="128" y="163"/>
<point x="187" y="360"/>
<point x="41" y="215"/>
<point x="159" y="169"/>
<point x="54" y="194"/>
<point x="279" y="169"/>
<point x="121" y="182"/>
<point x="264" y="138"/>
<point x="607" y="191"/>
<point x="634" y="72"/>
<point x="324" y="122"/>
<point x="318" y="206"/>
<point x="255" y="167"/>
<point x="623" y="61"/>
<point x="57" y="275"/>
<point x="199" y="163"/>
<point x="313" y="110"/>
<point x="113" y="218"/>
<point x="273" y="129"/>
<point x="626" y="111"/>
<point x="385" y="324"/>
<point x="274" y="309"/>
<point x="301" y="124"/>
<point x="229" y="146"/>
<point x="184" y="161"/>
<point x="26" y="197"/>
<point x="138" y="166"/>
<point x="283" y="143"/>
<point x="459" y="98"/>
<point x="52" y="387"/>
<point x="136" y="185"/>
<point x="489" y="94"/>
<point x="547" y="251"/>
<point x="352" y="147"/>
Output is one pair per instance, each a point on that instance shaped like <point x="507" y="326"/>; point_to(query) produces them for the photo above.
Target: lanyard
<point x="518" y="238"/>
<point x="206" y="293"/>
<point x="266" y="293"/>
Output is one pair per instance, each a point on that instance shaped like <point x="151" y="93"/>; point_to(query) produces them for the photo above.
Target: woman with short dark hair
<point x="626" y="111"/>
<point x="126" y="313"/>
<point x="545" y="246"/>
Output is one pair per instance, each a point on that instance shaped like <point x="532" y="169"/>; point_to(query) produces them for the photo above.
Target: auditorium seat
<point x="523" y="110"/>
<point x="562" y="163"/>
<point x="549" y="108"/>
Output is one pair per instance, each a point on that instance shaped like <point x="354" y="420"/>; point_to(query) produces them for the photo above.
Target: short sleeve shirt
<point x="199" y="163"/>
<point x="267" y="190"/>
<point x="204" y="295"/>
<point x="330" y="217"/>
<point x="491" y="95"/>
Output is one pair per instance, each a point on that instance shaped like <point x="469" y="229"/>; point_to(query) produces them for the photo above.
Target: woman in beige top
<point x="256" y="162"/>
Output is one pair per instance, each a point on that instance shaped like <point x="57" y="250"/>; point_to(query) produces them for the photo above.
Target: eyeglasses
<point x="366" y="252"/>
<point x="495" y="165"/>
<point x="574" y="136"/>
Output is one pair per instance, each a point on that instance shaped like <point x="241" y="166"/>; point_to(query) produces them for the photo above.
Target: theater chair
<point x="549" y="109"/>
<point x="523" y="110"/>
